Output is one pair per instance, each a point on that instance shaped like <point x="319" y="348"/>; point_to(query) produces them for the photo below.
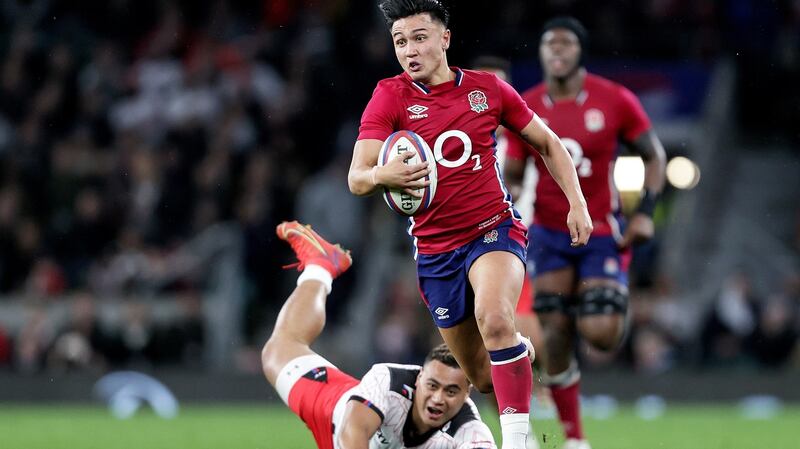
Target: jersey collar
<point x="412" y="438"/>
<point x="580" y="99"/>
<point x="428" y="89"/>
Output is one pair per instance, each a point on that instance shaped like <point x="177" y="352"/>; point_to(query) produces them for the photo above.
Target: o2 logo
<point x="582" y="165"/>
<point x="466" y="154"/>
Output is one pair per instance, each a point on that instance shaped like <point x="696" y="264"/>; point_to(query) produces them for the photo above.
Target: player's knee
<point x="607" y="341"/>
<point x="602" y="300"/>
<point x="603" y="332"/>
<point x="269" y="352"/>
<point x="495" y="327"/>
<point x="551" y="303"/>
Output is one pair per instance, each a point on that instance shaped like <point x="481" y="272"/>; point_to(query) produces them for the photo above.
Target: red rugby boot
<point x="310" y="248"/>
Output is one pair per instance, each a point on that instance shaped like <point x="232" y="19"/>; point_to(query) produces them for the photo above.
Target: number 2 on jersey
<point x="582" y="164"/>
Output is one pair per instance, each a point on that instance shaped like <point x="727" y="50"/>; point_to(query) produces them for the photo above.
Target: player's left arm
<point x="518" y="117"/>
<point x="560" y="165"/>
<point x="639" y="137"/>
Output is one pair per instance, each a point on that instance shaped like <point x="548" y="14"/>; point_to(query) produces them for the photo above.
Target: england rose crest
<point x="477" y="101"/>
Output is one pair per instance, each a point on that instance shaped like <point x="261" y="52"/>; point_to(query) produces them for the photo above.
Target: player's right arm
<point x="379" y="120"/>
<point x="359" y="424"/>
<point x="365" y="176"/>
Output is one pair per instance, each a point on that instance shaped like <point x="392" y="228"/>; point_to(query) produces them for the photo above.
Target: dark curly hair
<point x="397" y="9"/>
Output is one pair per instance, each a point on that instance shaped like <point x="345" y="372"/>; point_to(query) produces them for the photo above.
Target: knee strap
<point x="602" y="301"/>
<point x="551" y="302"/>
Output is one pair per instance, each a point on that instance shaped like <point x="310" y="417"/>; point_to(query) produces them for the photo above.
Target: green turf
<point x="242" y="427"/>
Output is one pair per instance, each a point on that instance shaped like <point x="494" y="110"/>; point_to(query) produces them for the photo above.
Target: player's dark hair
<point x="574" y="25"/>
<point x="492" y="62"/>
<point x="442" y="354"/>
<point x="397" y="9"/>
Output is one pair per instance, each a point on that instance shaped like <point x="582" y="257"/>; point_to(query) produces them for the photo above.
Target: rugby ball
<point x="395" y="145"/>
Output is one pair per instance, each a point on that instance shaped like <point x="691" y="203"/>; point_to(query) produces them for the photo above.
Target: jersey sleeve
<point x="515" y="113"/>
<point x="380" y="117"/>
<point x="373" y="390"/>
<point x="634" y="119"/>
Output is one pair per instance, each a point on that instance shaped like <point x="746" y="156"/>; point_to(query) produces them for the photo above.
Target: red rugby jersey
<point x="591" y="126"/>
<point x="458" y="120"/>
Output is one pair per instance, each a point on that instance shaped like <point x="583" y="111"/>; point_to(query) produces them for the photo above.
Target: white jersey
<point x="388" y="389"/>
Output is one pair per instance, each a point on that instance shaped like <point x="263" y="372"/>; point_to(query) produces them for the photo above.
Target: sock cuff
<point x="570" y="377"/>
<point x="515" y="424"/>
<point x="508" y="355"/>
<point x="316" y="273"/>
<point x="515" y="418"/>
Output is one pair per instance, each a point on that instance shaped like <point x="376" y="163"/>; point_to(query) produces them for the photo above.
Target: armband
<point x="647" y="204"/>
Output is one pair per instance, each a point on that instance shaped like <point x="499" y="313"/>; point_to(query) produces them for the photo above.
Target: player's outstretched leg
<point x="529" y="331"/>
<point x="496" y="278"/>
<point x="302" y="316"/>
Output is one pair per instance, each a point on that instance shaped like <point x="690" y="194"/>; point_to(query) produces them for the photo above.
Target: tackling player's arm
<point x="559" y="164"/>
<point x="648" y="146"/>
<point x="365" y="175"/>
<point x="359" y="424"/>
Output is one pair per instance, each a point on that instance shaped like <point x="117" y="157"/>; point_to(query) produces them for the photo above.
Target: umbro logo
<point x="417" y="111"/>
<point x="442" y="312"/>
<point x="508" y="411"/>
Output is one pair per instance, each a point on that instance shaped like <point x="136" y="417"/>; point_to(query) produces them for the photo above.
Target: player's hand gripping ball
<point x="395" y="145"/>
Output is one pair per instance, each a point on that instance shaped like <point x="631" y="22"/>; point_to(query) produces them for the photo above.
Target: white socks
<point x="316" y="273"/>
<point x="515" y="430"/>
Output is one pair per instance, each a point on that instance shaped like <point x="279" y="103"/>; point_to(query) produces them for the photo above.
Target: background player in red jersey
<point x="583" y="289"/>
<point x="471" y="243"/>
<point x="391" y="406"/>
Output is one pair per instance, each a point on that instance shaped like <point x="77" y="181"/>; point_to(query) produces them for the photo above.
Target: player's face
<point x="420" y="43"/>
<point x="560" y="52"/>
<point x="441" y="391"/>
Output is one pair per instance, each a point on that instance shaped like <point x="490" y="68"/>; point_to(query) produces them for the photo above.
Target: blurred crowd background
<point x="149" y="148"/>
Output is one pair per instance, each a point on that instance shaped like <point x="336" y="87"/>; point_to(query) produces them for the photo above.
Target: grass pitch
<point x="274" y="427"/>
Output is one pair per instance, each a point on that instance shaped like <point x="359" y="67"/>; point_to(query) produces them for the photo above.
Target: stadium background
<point x="149" y="148"/>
